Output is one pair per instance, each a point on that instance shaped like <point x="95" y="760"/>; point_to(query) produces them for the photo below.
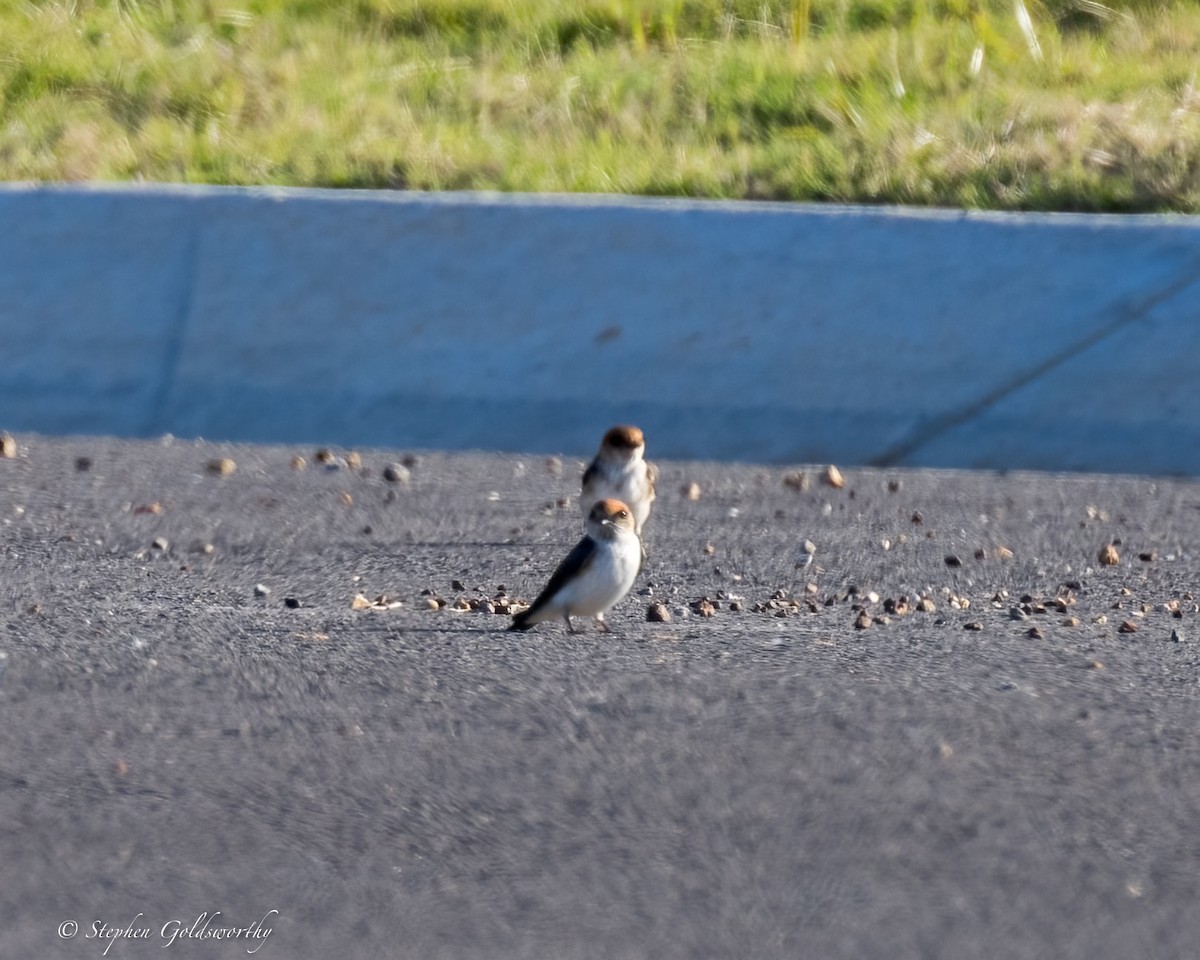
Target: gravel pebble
<point x="396" y="473"/>
<point x="658" y="613"/>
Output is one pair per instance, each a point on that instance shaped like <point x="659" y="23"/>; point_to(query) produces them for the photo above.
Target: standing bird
<point x="596" y="574"/>
<point x="620" y="472"/>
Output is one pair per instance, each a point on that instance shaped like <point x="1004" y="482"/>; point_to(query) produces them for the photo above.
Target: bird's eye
<point x="622" y="513"/>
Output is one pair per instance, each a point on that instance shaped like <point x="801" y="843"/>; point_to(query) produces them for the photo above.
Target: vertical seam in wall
<point x="901" y="451"/>
<point x="158" y="421"/>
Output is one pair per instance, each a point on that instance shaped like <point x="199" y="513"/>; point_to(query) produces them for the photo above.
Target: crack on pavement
<point x="157" y="422"/>
<point x="896" y="454"/>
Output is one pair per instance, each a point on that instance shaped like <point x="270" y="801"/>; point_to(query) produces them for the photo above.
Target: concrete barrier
<point x="765" y="332"/>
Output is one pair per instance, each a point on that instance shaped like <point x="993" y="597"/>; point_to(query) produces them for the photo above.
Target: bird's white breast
<point x="629" y="484"/>
<point x="607" y="578"/>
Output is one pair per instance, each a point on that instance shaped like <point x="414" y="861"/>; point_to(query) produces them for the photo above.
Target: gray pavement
<point x="417" y="783"/>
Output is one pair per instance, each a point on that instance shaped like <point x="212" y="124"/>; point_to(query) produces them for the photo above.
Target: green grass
<point x="946" y="102"/>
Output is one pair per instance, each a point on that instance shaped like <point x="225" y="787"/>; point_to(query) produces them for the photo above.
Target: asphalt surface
<point x="418" y="783"/>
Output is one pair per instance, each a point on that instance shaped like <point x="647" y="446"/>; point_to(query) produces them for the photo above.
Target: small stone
<point x="1071" y="622"/>
<point x="917" y="517"/>
<point x="709" y="549"/>
<point x="979" y="554"/>
<point x="299" y="463"/>
<point x="161" y="543"/>
<point x="704" y="608"/>
<point x="952" y="561"/>
<point x="1016" y="613"/>
<point x="1176" y="636"/>
<point x="83" y="464"/>
<point x="345" y="498"/>
<point x="796" y="480"/>
<point x="893" y="486"/>
<point x="462" y="603"/>
<point x="1102" y="618"/>
<point x="260" y="590"/>
<point x="658" y="613"/>
<point x="396" y="473"/>
<point x="431" y="603"/>
<point x="1108" y="555"/>
<point x="485" y="606"/>
<point x="8" y="446"/>
<point x="221" y="466"/>
<point x="833" y="477"/>
<point x="457" y="586"/>
<point x="736" y="606"/>
<point x="691" y="491"/>
<point x="925" y="605"/>
<point x="554" y="466"/>
<point x="354" y="460"/>
<point x="1127" y="626"/>
<point x="1035" y="633"/>
<point x="1003" y="553"/>
<point x="863" y="621"/>
<point x="292" y="603"/>
<point x="973" y="625"/>
<point x="1148" y="557"/>
<point x="324" y="456"/>
<point x="360" y="602"/>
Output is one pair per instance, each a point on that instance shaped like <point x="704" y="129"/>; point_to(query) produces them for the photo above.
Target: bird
<point x="595" y="575"/>
<point x="620" y="471"/>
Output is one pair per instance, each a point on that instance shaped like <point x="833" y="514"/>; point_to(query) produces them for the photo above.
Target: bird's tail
<point x="520" y="621"/>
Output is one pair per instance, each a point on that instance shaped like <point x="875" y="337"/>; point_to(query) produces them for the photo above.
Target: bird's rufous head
<point x="607" y="516"/>
<point x="624" y="441"/>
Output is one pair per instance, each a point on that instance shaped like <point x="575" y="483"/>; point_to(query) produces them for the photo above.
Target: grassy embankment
<point x="1017" y="104"/>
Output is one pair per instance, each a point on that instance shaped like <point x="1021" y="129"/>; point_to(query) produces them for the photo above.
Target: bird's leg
<point x="603" y="627"/>
<point x="570" y="628"/>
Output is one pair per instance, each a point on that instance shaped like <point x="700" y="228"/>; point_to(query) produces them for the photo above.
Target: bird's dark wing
<point x="591" y="473"/>
<point x="577" y="561"/>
